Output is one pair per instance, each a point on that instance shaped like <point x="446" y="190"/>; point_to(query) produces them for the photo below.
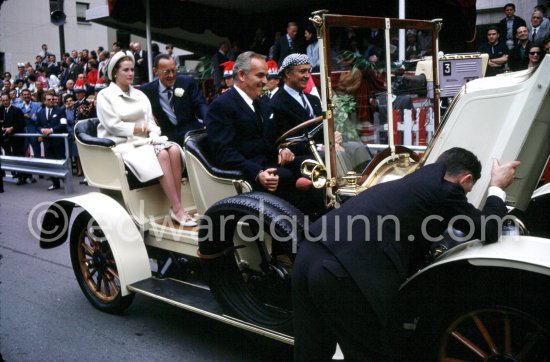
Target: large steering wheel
<point x="306" y="136"/>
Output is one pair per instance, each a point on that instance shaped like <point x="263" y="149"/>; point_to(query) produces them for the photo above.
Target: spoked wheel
<point x="237" y="247"/>
<point x="95" y="267"/>
<point x="494" y="335"/>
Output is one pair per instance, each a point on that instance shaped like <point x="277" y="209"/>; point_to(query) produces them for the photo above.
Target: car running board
<point x="198" y="299"/>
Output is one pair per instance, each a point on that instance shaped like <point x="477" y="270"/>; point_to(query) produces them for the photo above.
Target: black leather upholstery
<point x="86" y="132"/>
<point x="197" y="144"/>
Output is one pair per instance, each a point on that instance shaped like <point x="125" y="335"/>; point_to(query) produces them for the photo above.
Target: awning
<point x="199" y="25"/>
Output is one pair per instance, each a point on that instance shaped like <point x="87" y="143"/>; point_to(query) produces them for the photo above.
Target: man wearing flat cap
<point x="291" y="106"/>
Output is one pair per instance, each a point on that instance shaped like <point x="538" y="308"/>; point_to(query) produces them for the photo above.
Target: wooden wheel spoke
<point x="469" y="344"/>
<point x="114" y="287"/>
<point x="485" y="333"/>
<point x="87" y="248"/>
<point x="113" y="272"/>
<point x="98" y="282"/>
<point x="106" y="286"/>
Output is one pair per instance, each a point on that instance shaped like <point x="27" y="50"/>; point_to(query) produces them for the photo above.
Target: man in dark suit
<point x="11" y="122"/>
<point x="218" y="59"/>
<point x="288" y="44"/>
<point x="291" y="106"/>
<point x="345" y="283"/>
<point x="141" y="74"/>
<point x="241" y="136"/>
<point x="176" y="100"/>
<point x="518" y="59"/>
<point x="52" y="119"/>
<point x="509" y="25"/>
<point x="74" y="69"/>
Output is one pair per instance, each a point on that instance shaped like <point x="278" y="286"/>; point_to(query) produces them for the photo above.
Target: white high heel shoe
<point x="186" y="220"/>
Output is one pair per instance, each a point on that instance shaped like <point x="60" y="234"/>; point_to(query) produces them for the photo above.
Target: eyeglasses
<point x="168" y="71"/>
<point x="535" y="53"/>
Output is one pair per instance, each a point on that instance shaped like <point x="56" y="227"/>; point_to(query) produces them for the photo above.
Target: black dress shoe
<point x="53" y="187"/>
<point x="20" y="182"/>
<point x="31" y="180"/>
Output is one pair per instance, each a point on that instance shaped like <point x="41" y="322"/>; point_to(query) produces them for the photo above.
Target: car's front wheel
<point x="95" y="267"/>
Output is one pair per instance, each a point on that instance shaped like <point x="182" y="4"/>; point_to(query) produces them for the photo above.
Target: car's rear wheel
<point x="95" y="267"/>
<point x="237" y="249"/>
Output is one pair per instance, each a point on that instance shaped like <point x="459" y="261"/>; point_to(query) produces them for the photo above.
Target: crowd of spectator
<point x="516" y="44"/>
<point x="74" y="80"/>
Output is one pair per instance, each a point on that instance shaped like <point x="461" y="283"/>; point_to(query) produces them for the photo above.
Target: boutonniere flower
<point x="178" y="92"/>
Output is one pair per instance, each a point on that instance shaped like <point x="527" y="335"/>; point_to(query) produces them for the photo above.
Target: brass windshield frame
<point x="323" y="22"/>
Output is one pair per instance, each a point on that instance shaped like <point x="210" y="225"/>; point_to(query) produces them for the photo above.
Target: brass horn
<point x="315" y="171"/>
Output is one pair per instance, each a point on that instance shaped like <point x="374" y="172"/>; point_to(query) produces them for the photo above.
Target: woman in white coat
<point x="125" y="116"/>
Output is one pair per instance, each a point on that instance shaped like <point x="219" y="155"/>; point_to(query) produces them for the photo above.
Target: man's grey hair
<point x="243" y="62"/>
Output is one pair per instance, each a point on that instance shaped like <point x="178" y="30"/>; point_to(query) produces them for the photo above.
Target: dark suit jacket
<point x="515" y="60"/>
<point x="282" y="49"/>
<point x="288" y="113"/>
<point x="502" y="25"/>
<point x="14" y="118"/>
<point x="379" y="264"/>
<point x="73" y="72"/>
<point x="53" y="147"/>
<point x="236" y="139"/>
<point x="188" y="108"/>
<point x="217" y="70"/>
<point x="141" y="70"/>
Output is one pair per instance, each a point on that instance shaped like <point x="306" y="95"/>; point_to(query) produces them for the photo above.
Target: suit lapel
<point x="244" y="107"/>
<point x="294" y="106"/>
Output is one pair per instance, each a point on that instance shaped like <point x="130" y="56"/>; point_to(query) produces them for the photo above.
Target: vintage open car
<point x="470" y="301"/>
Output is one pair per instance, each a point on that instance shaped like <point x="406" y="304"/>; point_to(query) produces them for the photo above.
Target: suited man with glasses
<point x="177" y="102"/>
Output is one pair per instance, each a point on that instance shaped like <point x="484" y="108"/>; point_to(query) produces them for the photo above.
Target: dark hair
<point x="159" y="57"/>
<point x="155" y="47"/>
<point x="513" y="6"/>
<point x="458" y="161"/>
<point x="541" y="8"/>
<point x="493" y="27"/>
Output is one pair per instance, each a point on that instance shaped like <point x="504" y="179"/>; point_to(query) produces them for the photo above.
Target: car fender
<point x="527" y="253"/>
<point x="125" y="239"/>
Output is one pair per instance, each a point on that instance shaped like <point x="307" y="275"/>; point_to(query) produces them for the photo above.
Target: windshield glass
<point x="358" y="59"/>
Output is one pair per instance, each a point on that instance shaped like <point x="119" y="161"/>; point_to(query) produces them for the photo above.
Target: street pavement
<point x="45" y="317"/>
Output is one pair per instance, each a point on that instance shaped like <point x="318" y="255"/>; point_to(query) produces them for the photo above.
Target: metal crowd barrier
<point x="42" y="166"/>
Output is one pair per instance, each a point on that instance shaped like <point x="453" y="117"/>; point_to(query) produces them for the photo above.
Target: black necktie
<point x="170" y="97"/>
<point x="534" y="33"/>
<point x="48" y="113"/>
<point x="306" y="106"/>
<point x="259" y="118"/>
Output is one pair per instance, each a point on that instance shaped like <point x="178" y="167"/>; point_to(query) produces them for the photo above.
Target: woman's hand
<point x="141" y="129"/>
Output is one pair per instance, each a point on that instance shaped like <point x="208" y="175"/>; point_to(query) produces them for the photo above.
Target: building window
<point x="81" y="12"/>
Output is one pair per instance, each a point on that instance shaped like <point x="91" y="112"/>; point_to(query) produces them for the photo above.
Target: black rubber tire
<point x="107" y="297"/>
<point x="269" y="307"/>
<point x="464" y="293"/>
